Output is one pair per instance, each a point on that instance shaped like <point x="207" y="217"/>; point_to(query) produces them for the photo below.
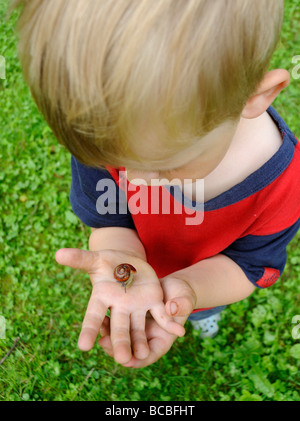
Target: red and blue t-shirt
<point x="251" y="223"/>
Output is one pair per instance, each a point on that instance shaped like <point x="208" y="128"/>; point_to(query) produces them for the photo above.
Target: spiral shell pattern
<point x="124" y="273"/>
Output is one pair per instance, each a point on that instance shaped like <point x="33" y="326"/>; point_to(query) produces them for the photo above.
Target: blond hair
<point x="100" y="69"/>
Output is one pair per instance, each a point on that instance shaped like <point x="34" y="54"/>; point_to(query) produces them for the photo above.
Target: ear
<point x="271" y="85"/>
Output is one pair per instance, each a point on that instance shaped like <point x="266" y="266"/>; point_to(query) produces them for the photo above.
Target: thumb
<point x="77" y="258"/>
<point x="179" y="306"/>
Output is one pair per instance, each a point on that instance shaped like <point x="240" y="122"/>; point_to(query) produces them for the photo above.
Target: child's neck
<point x="254" y="143"/>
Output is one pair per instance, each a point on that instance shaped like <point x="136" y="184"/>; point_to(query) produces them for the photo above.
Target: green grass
<point x="254" y="357"/>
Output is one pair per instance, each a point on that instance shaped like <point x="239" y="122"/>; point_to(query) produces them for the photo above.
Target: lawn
<point x="254" y="357"/>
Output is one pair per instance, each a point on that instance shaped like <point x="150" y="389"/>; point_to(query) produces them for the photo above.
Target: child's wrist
<point x="120" y="239"/>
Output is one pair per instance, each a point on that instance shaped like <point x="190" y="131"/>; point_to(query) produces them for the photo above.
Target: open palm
<point x="159" y="340"/>
<point x="127" y="309"/>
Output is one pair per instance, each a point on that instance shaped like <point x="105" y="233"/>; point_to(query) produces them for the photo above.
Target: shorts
<point x="206" y="313"/>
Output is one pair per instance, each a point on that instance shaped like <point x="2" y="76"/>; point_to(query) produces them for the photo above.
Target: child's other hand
<point x="159" y="342"/>
<point x="127" y="310"/>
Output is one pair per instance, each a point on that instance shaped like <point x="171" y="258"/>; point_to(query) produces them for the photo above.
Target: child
<point x="155" y="99"/>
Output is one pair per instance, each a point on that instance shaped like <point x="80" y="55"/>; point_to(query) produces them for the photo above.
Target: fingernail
<point x="173" y="308"/>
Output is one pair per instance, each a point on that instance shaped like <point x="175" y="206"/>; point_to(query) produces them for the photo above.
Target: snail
<point x="124" y="273"/>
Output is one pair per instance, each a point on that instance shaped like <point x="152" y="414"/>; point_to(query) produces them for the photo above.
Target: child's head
<point x="113" y="77"/>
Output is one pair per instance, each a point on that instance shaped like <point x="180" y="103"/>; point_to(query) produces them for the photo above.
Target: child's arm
<point x="215" y="281"/>
<point x="117" y="238"/>
<point x="253" y="261"/>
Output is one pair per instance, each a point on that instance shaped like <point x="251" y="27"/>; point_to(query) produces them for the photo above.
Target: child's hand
<point x="159" y="342"/>
<point x="176" y="292"/>
<point x="180" y="298"/>
<point x="127" y="310"/>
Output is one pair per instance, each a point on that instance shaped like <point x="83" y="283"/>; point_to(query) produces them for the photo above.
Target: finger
<point x="78" y="259"/>
<point x="139" y="342"/>
<point x="158" y="347"/>
<point x="105" y="327"/>
<point x="119" y="334"/>
<point x="154" y="354"/>
<point x="179" y="306"/>
<point x="91" y="324"/>
<point x="106" y="345"/>
<point x="165" y="321"/>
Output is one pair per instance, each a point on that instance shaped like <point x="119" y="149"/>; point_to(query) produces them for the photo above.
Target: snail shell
<point x="124" y="273"/>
